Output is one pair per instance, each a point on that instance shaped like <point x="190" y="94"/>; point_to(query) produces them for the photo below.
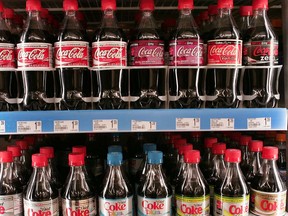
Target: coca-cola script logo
<point x="77" y="212"/>
<point x="40" y="212"/>
<point x="264" y="51"/>
<point x="111" y="53"/>
<point x="74" y="53"/>
<point x="6" y="55"/>
<point x="191" y="210"/>
<point x="112" y="207"/>
<point x="196" y="51"/>
<point x="227" y="50"/>
<point x="34" y="54"/>
<point x="152" y="205"/>
<point x="156" y="52"/>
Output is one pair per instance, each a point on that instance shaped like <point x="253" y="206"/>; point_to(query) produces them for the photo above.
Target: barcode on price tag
<point x="2" y="126"/>
<point x="143" y="125"/>
<point x="105" y="125"/>
<point x="187" y="123"/>
<point x="29" y="126"/>
<point x="222" y="124"/>
<point x="259" y="123"/>
<point x="66" y="126"/>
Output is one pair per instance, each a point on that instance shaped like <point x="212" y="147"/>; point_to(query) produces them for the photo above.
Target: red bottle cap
<point x="33" y="5"/>
<point x="48" y="151"/>
<point x="225" y="4"/>
<point x="80" y="149"/>
<point x="180" y="142"/>
<point x="232" y="155"/>
<point x="147" y="5"/>
<point x="244" y="140"/>
<point x="185" y="4"/>
<point x="270" y="153"/>
<point x="209" y="141"/>
<point x="280" y="137"/>
<point x="8" y="13"/>
<point x="39" y="160"/>
<point x="76" y="159"/>
<point x="192" y="156"/>
<point x="218" y="148"/>
<point x="23" y="144"/>
<point x="184" y="148"/>
<point x="260" y="4"/>
<point x="15" y="150"/>
<point x="6" y="157"/>
<point x="255" y="146"/>
<point x="108" y="5"/>
<point x="44" y="13"/>
<point x="1" y="7"/>
<point x="246" y="11"/>
<point x="70" y="5"/>
<point x="204" y="15"/>
<point x="212" y="10"/>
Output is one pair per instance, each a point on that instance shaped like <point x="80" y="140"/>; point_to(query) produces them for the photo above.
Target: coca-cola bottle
<point x="268" y="191"/>
<point x="72" y="61"/>
<point x="154" y="192"/>
<point x="261" y="49"/>
<point x="116" y="193"/>
<point x="34" y="57"/>
<point x="224" y="50"/>
<point x="11" y="202"/>
<point x="146" y="54"/>
<point x="40" y="196"/>
<point x="246" y="13"/>
<point x="186" y="49"/>
<point x="109" y="53"/>
<point x="192" y="190"/>
<point x="78" y="196"/>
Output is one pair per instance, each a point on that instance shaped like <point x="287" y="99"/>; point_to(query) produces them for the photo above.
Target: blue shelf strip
<point x="165" y="118"/>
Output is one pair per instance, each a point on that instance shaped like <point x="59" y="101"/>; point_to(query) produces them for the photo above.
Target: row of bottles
<point x="72" y="85"/>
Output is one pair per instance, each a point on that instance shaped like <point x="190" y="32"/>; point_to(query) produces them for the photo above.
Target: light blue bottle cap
<point x="115" y="148"/>
<point x="114" y="158"/>
<point x="149" y="147"/>
<point x="155" y="157"/>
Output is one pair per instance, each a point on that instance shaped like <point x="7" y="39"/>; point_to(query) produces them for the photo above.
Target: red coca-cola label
<point x="34" y="56"/>
<point x="71" y="54"/>
<point x="224" y="52"/>
<point x="261" y="52"/>
<point x="7" y="56"/>
<point x="186" y="52"/>
<point x="147" y="53"/>
<point x="109" y="54"/>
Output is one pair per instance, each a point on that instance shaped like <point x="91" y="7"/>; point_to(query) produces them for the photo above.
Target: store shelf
<point x="142" y="120"/>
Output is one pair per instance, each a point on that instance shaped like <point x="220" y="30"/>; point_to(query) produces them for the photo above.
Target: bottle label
<point x="227" y="206"/>
<point x="36" y="56"/>
<point x="224" y="52"/>
<point x="50" y="207"/>
<point x="6" y="205"/>
<point x="261" y="52"/>
<point x="186" y="52"/>
<point x="7" y="56"/>
<point x="18" y="204"/>
<point x="265" y="203"/>
<point x="109" y="54"/>
<point x="147" y="53"/>
<point x="134" y="165"/>
<point x="69" y="54"/>
<point x="85" y="207"/>
<point x="193" y="206"/>
<point x="108" y="207"/>
<point x="157" y="207"/>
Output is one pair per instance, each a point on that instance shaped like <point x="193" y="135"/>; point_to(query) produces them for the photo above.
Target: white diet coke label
<point x="86" y="207"/>
<point x="18" y="204"/>
<point x="109" y="54"/>
<point x="34" y="56"/>
<point x="157" y="207"/>
<point x="50" y="207"/>
<point x="7" y="56"/>
<point x="69" y="54"/>
<point x="6" y="205"/>
<point x="108" y="207"/>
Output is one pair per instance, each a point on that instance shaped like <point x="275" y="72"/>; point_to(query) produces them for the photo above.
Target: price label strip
<point x="29" y="126"/>
<point x="259" y="123"/>
<point x="143" y="125"/>
<point x="66" y="126"/>
<point x="105" y="125"/>
<point x="2" y="126"/>
<point x="187" y="123"/>
<point x="222" y="124"/>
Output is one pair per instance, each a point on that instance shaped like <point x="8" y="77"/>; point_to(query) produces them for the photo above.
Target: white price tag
<point x="143" y="125"/>
<point x="187" y="123"/>
<point x="222" y="124"/>
<point x="2" y="126"/>
<point x="66" y="126"/>
<point x="29" y="126"/>
<point x="259" y="123"/>
<point x="105" y="125"/>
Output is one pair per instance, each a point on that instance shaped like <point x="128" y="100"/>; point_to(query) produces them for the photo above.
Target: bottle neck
<point x="109" y="21"/>
<point x="192" y="172"/>
<point x="233" y="170"/>
<point x="147" y="21"/>
<point x="224" y="12"/>
<point x="186" y="19"/>
<point x="269" y="167"/>
<point x="255" y="162"/>
<point x="71" y="21"/>
<point x="34" y="21"/>
<point x="40" y="174"/>
<point x="6" y="171"/>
